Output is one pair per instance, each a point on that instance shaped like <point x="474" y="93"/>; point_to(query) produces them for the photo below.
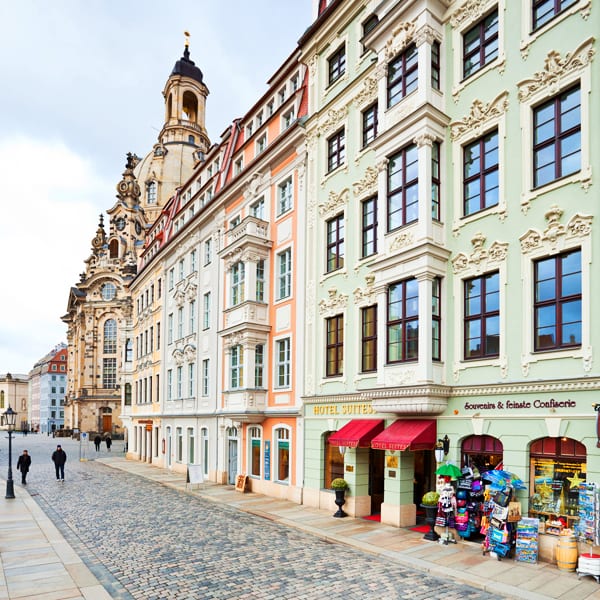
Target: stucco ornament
<point x="480" y="259"/>
<point x="469" y="11"/>
<point x="332" y="120"/>
<point x="402" y="241"/>
<point x="367" y="94"/>
<point x="366" y="296"/>
<point x="401" y="37"/>
<point x="333" y="304"/>
<point x="556" y="68"/>
<point x="367" y="185"/>
<point x="335" y="203"/>
<point x="479" y="116"/>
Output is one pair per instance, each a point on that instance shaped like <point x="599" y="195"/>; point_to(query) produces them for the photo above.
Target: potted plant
<point x="430" y="503"/>
<point x="339" y="486"/>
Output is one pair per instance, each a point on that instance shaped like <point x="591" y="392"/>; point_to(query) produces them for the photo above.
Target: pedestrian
<point x="97" y="441"/>
<point x="108" y="442"/>
<point x="59" y="458"/>
<point x="23" y="465"/>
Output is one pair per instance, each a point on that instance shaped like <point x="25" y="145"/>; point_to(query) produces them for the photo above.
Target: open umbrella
<point x="449" y="470"/>
<point x="501" y="479"/>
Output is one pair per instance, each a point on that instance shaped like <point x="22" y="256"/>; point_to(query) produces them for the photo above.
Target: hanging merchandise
<point x="587" y="529"/>
<point x="500" y="533"/>
<point x="447" y="509"/>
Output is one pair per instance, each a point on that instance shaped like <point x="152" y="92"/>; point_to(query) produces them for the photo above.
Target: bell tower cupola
<point x="185" y="103"/>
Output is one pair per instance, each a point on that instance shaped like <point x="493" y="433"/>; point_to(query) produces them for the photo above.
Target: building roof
<point x="187" y="68"/>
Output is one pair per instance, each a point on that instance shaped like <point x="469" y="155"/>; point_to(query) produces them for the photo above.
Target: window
<point x="205" y="376"/>
<point x="181" y="269"/>
<point x="259" y="362"/>
<point x="337" y="64"/>
<point x="249" y="130"/>
<point x="369" y="124"/>
<point x="368" y="339"/>
<point x="190" y="444"/>
<point x="335" y="243"/>
<point x="191" y="379"/>
<point x="204" y="445"/>
<point x="557" y="301"/>
<point x="127" y="394"/>
<point x="435" y="181"/>
<point x="237" y="283"/>
<point x="287" y="119"/>
<point x="403" y="188"/>
<point x="259" y="119"/>
<point x="178" y="444"/>
<point x="402" y="78"/>
<point x="171" y="278"/>
<point x="207" y="252"/>
<point x="367" y="27"/>
<point x="109" y="373"/>
<point x="235" y="222"/>
<point x="192" y="261"/>
<point x="480" y="174"/>
<point x="260" y="280"/>
<point x="170" y="328"/>
<point x="192" y="313"/>
<point x="482" y="316"/>
<point x="403" y="321"/>
<point x="254" y="435"/>
<point x="282" y="437"/>
<point x="151" y="192"/>
<point x="180" y="382"/>
<point x="170" y="384"/>
<point x="236" y="368"/>
<point x="257" y="209"/>
<point x="546" y="10"/>
<point x="109" y="291"/>
<point x="335" y="346"/>
<point x="261" y="143"/>
<point x="435" y="65"/>
<point x="557" y="137"/>
<point x="158" y="336"/>
<point x="110" y="336"/>
<point x="333" y="463"/>
<point x="284" y="276"/>
<point x="480" y="44"/>
<point x="206" y="311"/>
<point x="436" y="318"/>
<point x="270" y="108"/>
<point x="283" y="363"/>
<point x="237" y="167"/>
<point x="369" y="227"/>
<point x="294" y="83"/>
<point x="180" y="322"/>
<point x="336" y="150"/>
<point x="284" y="200"/>
<point x="281" y="96"/>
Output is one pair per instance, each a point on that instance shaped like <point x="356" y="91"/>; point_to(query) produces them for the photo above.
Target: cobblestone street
<point x="144" y="540"/>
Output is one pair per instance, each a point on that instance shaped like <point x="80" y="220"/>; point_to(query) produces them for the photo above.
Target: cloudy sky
<point x="82" y="85"/>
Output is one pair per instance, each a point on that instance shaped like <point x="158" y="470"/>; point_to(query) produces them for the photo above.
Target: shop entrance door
<point x="376" y="479"/>
<point x="425" y="479"/>
<point x="232" y="467"/>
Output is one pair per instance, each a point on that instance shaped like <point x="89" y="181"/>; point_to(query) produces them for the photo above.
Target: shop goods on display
<point x="587" y="529"/>
<point x="527" y="545"/>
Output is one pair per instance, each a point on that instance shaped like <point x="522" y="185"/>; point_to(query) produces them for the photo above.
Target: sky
<point x="80" y="86"/>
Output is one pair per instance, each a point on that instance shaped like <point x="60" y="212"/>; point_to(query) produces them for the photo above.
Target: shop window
<point x="282" y="439"/>
<point x="483" y="452"/>
<point x="333" y="461"/>
<point x="557" y="468"/>
<point x="255" y="440"/>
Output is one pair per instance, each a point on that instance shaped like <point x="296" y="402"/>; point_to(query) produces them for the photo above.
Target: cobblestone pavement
<point x="144" y="540"/>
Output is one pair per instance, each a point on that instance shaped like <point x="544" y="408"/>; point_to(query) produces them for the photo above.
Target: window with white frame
<point x="110" y="336"/>
<point x="259" y="364"/>
<point x="191" y="443"/>
<point x="238" y="275"/>
<point x="206" y="311"/>
<point x="238" y="165"/>
<point x="287" y="119"/>
<point x="260" y="280"/>
<point x="207" y="252"/>
<point x="284" y="196"/>
<point x="257" y="209"/>
<point x="204" y="449"/>
<point x="151" y="192"/>
<point x="180" y="322"/>
<point x="179" y="382"/>
<point x="205" y="376"/>
<point x="170" y="384"/>
<point x="254" y="450"/>
<point x="261" y="143"/>
<point x="109" y="373"/>
<point x="171" y="278"/>
<point x="178" y="444"/>
<point x="282" y="455"/>
<point x="192" y="313"/>
<point x="233" y="223"/>
<point x="336" y="64"/>
<point x="284" y="274"/>
<point x="191" y="379"/>
<point x="193" y="261"/>
<point x="283" y="363"/>
<point x="236" y="367"/>
<point x="403" y="75"/>
<point x="336" y="150"/>
<point x="170" y="328"/>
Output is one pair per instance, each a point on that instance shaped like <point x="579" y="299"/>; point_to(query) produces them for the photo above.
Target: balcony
<point x="250" y="314"/>
<point x="411" y="400"/>
<point x="245" y="406"/>
<point x="252" y="232"/>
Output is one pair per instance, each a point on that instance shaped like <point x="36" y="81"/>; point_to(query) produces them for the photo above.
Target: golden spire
<point x="187" y="38"/>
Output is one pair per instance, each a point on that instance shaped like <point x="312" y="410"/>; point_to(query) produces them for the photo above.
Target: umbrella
<point x="501" y="479"/>
<point x="449" y="470"/>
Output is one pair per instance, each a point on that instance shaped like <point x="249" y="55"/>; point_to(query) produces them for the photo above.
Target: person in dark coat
<point x="97" y="441"/>
<point x="108" y="442"/>
<point x="23" y="465"/>
<point x="59" y="458"/>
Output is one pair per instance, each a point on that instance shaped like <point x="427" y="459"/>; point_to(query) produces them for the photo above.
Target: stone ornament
<point x="479" y="116"/>
<point x="334" y="304"/>
<point x="367" y="94"/>
<point x="366" y="296"/>
<point x="556" y="68"/>
<point x="480" y="259"/>
<point x="367" y="185"/>
<point x="469" y="11"/>
<point x="402" y="36"/>
<point x="335" y="203"/>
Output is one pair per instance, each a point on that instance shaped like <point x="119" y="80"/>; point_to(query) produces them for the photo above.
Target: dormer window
<point x="237" y="168"/>
<point x="151" y="192"/>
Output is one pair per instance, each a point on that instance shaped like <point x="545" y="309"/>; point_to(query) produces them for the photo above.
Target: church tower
<point x="182" y="141"/>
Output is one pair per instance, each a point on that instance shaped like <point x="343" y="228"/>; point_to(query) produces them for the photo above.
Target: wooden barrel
<point x="566" y="553"/>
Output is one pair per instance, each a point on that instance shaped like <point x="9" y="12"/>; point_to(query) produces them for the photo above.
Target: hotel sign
<point x="339" y="410"/>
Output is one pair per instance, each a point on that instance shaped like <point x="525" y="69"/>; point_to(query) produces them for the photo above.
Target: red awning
<point x="409" y="434"/>
<point x="357" y="433"/>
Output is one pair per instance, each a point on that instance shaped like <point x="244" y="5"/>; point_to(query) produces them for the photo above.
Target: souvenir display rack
<point x="587" y="529"/>
<point x="526" y="547"/>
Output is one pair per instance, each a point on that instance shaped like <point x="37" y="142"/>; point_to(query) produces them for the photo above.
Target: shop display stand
<point x="587" y="530"/>
<point x="526" y="547"/>
<point x="447" y="538"/>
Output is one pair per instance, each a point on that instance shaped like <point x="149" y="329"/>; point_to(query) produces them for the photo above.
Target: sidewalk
<point x="37" y="563"/>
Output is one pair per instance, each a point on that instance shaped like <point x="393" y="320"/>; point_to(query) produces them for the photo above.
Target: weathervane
<point x="187" y="38"/>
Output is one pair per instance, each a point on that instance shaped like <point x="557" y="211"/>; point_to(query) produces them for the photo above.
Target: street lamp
<point x="9" y="418"/>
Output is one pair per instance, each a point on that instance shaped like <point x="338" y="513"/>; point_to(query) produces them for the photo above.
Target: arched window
<point x="190" y="106"/>
<point x="109" y="291"/>
<point x="2" y="399"/>
<point x="151" y="192"/>
<point x="333" y="461"/>
<point x="254" y="450"/>
<point x="557" y="468"/>
<point x="482" y="451"/>
<point x="113" y="248"/>
<point x="110" y="336"/>
<point x="282" y="455"/>
<point x="127" y="394"/>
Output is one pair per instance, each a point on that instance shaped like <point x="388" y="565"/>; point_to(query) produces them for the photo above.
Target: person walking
<point x="59" y="458"/>
<point x="108" y="442"/>
<point x="23" y="465"/>
<point x="97" y="441"/>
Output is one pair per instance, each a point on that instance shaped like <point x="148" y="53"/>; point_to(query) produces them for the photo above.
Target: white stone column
<point x="425" y="326"/>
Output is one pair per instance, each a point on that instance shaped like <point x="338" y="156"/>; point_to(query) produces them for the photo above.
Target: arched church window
<point x="151" y="192"/>
<point x="109" y="291"/>
<point x="190" y="106"/>
<point x="110" y="336"/>
<point x="113" y="248"/>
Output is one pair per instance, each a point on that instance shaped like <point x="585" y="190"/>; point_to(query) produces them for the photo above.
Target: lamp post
<point x="9" y="418"/>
